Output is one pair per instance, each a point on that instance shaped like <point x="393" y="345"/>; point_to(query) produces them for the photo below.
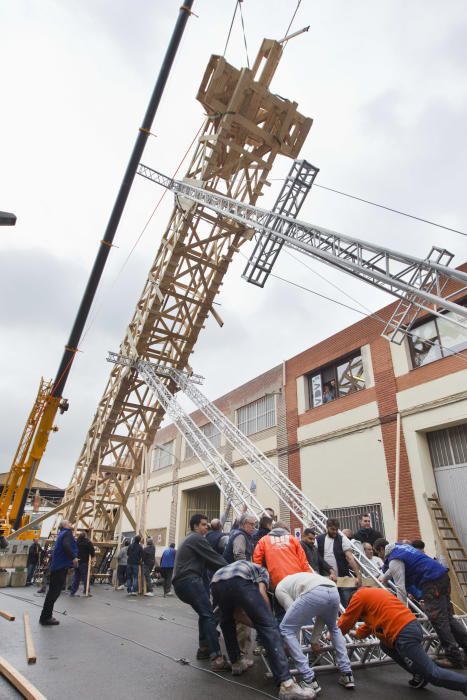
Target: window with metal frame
<point x="448" y="446"/>
<point x="205" y="500"/>
<point x="257" y="416"/>
<point x="213" y="435"/>
<point x="339" y="379"/>
<point x="164" y="456"/>
<point x="437" y="338"/>
<point x="349" y="517"/>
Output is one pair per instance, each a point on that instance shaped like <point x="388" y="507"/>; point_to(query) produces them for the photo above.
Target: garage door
<point x="448" y="449"/>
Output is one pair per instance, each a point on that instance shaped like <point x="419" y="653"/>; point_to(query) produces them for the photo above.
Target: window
<point x="437" y="338"/>
<point x="213" y="435"/>
<point x="349" y="518"/>
<point x="163" y="456"/>
<point x="449" y="446"/>
<point x="257" y="416"/>
<point x="334" y="381"/>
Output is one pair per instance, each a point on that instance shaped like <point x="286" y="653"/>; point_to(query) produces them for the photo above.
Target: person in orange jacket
<point x="281" y="554"/>
<point x="400" y="636"/>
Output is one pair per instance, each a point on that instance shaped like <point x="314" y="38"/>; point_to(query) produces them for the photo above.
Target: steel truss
<point x="247" y="126"/>
<point x="232" y="487"/>
<point x="289" y="202"/>
<point x="218" y="469"/>
<point x="419" y="284"/>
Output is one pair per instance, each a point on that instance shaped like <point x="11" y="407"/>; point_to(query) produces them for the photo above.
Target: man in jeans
<point x="410" y="567"/>
<point x="34" y="556"/>
<point x="305" y="596"/>
<point x="240" y="589"/>
<point x="86" y="552"/>
<point x="400" y="635"/>
<point x="134" y="559"/>
<point x="65" y="556"/>
<point x="336" y="550"/>
<point x="194" y="557"/>
<point x="167" y="567"/>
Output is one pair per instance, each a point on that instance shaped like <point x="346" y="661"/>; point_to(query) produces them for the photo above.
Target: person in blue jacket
<point x="411" y="567"/>
<point x="167" y="567"/>
<point x="65" y="556"/>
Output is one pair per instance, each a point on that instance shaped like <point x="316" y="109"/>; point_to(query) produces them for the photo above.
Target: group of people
<point x="260" y="576"/>
<point x="134" y="557"/>
<point x="264" y="577"/>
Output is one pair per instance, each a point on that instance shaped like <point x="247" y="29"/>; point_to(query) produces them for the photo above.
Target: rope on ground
<point x="181" y="661"/>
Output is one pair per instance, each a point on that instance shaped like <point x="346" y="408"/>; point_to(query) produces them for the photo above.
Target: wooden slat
<point x="7" y="616"/>
<point x="21" y="683"/>
<point x="30" y="650"/>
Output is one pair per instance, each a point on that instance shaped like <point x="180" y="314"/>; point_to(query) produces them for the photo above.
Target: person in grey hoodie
<point x="194" y="557"/>
<point x="122" y="562"/>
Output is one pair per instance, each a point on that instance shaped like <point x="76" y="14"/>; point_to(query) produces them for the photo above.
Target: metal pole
<point x="106" y="243"/>
<point x="125" y="187"/>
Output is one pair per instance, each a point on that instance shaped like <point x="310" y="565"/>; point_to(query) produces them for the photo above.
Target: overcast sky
<point x="386" y="85"/>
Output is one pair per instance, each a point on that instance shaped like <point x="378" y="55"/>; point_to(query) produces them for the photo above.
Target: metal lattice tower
<point x="246" y="128"/>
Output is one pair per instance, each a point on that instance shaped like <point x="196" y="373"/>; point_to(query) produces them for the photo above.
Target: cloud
<point x="385" y="83"/>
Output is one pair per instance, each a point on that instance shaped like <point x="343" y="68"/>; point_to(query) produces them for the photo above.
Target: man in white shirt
<point x="336" y="549"/>
<point x="305" y="596"/>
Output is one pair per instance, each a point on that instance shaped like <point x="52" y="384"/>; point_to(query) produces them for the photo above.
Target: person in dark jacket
<point x="241" y="544"/>
<point x="411" y="567"/>
<point x="264" y="528"/>
<point x="134" y="559"/>
<point x="86" y="552"/>
<point x="167" y="567"/>
<point x="194" y="557"/>
<point x="34" y="557"/>
<point x="65" y="557"/>
<point x="315" y="560"/>
<point x="366" y="533"/>
<point x="216" y="536"/>
<point x="336" y="550"/>
<point x="149" y="562"/>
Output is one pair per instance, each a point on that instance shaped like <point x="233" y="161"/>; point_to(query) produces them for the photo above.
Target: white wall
<point x="436" y="405"/>
<point x="349" y="469"/>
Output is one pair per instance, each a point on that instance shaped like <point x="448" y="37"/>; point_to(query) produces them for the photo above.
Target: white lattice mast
<point x="246" y="128"/>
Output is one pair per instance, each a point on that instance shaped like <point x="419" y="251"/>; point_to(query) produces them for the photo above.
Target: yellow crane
<point x="29" y="453"/>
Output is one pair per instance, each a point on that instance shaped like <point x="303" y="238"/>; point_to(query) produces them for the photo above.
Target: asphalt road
<point x="115" y="647"/>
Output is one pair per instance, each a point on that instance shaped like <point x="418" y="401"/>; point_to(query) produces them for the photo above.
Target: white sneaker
<point x="289" y="690"/>
<point x="347" y="680"/>
<point x="150" y="595"/>
<point x="120" y="588"/>
<point x="314" y="685"/>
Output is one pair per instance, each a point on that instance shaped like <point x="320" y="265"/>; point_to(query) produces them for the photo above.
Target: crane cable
<point x="299" y="2"/>
<point x="97" y="309"/>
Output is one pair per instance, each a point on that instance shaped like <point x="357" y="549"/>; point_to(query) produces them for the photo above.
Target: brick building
<point x="353" y="421"/>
